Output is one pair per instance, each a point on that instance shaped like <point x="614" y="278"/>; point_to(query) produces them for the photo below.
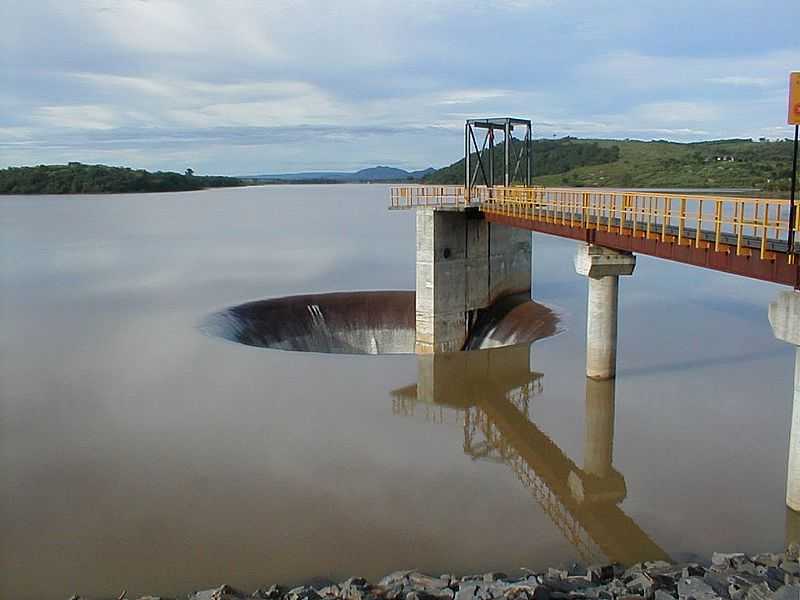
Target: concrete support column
<point x="603" y="267"/>
<point x="601" y="327"/>
<point x="784" y="316"/>
<point x="463" y="264"/>
<point x="598" y="445"/>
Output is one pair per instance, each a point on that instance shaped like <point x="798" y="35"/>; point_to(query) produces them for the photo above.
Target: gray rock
<point x="744" y="580"/>
<point x="641" y="585"/>
<point x="602" y="572"/>
<point x="633" y="570"/>
<point x="599" y="592"/>
<point x="737" y="592"/>
<point x="303" y="592"/>
<point x="791" y="567"/>
<point x="393" y="578"/>
<point x="768" y="559"/>
<point x="445" y="594"/>
<point x="426" y="582"/>
<point x="394" y="592"/>
<point x="725" y="560"/>
<point x="759" y="591"/>
<point x="696" y="588"/>
<point x="521" y="592"/>
<point x="273" y="592"/>
<point x="223" y="592"/>
<point x="693" y="570"/>
<point x="494" y="576"/>
<point x="787" y="592"/>
<point x="663" y="595"/>
<point x="355" y="588"/>
<point x="719" y="583"/>
<point x="617" y="588"/>
<point x="650" y="565"/>
<point x="466" y="591"/>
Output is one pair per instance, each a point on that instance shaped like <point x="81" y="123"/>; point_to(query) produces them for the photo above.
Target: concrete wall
<point x="463" y="264"/>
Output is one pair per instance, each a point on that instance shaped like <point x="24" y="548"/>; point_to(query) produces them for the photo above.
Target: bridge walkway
<point x="739" y="235"/>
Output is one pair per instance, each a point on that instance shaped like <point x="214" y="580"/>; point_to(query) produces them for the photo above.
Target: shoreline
<point x="765" y="576"/>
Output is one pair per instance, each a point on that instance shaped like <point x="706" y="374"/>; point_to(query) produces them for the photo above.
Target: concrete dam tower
<point x="464" y="264"/>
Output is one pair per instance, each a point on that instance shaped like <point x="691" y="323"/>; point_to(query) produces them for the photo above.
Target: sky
<point x="248" y="87"/>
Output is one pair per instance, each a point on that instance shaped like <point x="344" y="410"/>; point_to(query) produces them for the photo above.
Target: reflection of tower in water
<point x="490" y="393"/>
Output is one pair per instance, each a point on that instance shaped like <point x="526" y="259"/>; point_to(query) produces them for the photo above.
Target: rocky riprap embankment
<point x="728" y="577"/>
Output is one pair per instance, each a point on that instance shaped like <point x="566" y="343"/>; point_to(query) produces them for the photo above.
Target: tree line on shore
<point x="734" y="163"/>
<point x="79" y="178"/>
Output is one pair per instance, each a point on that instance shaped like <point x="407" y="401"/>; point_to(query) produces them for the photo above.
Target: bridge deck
<point x="744" y="236"/>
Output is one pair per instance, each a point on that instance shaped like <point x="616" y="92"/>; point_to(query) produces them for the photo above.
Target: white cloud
<point x="84" y="116"/>
<point x="163" y="81"/>
<point x="637" y="71"/>
<point x="675" y="112"/>
<point x="738" y="80"/>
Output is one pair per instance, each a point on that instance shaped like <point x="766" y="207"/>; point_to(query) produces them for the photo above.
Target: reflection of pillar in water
<point x="598" y="451"/>
<point x="603" y="267"/>
<point x="597" y="481"/>
<point x="784" y="316"/>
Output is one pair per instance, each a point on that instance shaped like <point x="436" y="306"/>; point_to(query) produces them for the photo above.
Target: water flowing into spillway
<point x="380" y="322"/>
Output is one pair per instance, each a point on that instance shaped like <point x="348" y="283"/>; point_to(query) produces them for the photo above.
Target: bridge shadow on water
<point x="491" y="395"/>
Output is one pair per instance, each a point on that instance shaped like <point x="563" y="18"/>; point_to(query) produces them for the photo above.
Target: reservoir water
<point x="139" y="452"/>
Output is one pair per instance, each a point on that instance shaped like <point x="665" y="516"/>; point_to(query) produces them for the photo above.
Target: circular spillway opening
<point x="369" y="323"/>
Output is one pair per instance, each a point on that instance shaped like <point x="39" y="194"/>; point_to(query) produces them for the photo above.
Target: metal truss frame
<point x="506" y="125"/>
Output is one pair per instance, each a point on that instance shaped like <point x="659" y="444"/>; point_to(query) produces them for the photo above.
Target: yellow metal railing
<point x="412" y="196"/>
<point x="702" y="221"/>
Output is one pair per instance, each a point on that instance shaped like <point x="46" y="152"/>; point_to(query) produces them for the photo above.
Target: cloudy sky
<point x="240" y="87"/>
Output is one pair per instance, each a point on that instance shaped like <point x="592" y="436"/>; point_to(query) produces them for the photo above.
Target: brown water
<point x="138" y="452"/>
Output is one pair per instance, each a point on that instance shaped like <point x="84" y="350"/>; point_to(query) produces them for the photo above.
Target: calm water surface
<point x="137" y="452"/>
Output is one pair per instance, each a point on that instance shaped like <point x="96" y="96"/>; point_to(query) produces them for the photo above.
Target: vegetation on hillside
<point x="735" y="163"/>
<point x="550" y="156"/>
<point x="77" y="178"/>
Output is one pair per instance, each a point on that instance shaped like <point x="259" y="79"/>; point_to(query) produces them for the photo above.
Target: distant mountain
<point x="372" y="174"/>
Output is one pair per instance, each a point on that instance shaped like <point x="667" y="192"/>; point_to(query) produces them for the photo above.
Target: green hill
<point x="627" y="163"/>
<point x="77" y="178"/>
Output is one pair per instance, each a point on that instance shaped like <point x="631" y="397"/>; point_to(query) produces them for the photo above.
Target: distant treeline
<point x="78" y="178"/>
<point x="731" y="163"/>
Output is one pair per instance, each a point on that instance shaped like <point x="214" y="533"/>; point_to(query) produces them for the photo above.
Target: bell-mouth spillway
<point x="369" y="322"/>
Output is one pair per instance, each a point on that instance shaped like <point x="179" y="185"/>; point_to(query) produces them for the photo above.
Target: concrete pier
<point x="784" y="316"/>
<point x="464" y="264"/>
<point x="603" y="267"/>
